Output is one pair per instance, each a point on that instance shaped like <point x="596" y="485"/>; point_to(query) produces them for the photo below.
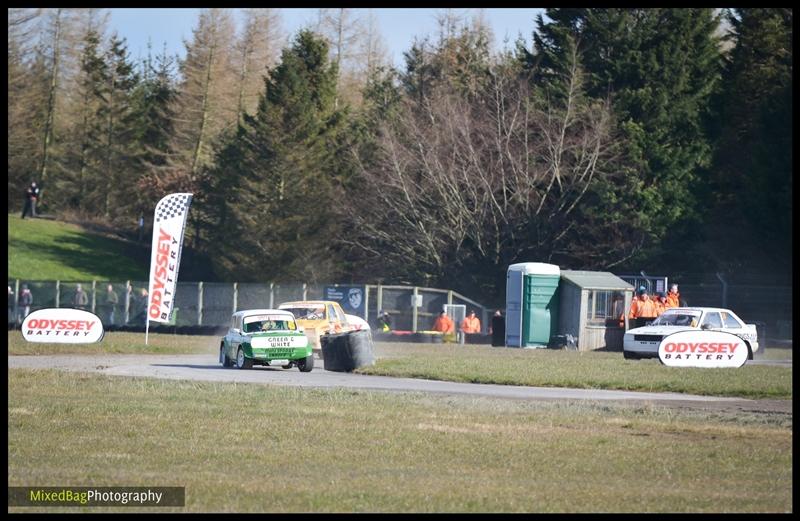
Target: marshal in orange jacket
<point x="643" y="308"/>
<point x="471" y="324"/>
<point x="444" y="324"/>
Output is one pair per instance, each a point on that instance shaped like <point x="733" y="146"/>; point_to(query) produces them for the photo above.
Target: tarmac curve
<point x="206" y="367"/>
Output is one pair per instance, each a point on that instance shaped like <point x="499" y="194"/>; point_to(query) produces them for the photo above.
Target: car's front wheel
<point x="242" y="362"/>
<point x="306" y="364"/>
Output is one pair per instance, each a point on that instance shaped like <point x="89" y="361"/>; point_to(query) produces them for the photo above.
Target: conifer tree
<point x="273" y="183"/>
<point x="92" y="87"/>
<point x="660" y="68"/>
<point x="754" y="158"/>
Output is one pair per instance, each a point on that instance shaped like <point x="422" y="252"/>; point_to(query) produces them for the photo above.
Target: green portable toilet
<point x="531" y="303"/>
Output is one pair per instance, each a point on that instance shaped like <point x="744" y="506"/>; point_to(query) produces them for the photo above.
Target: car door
<point x="236" y="337"/>
<point x="331" y="319"/>
<point x="711" y="321"/>
<point x="341" y="318"/>
<point x="731" y="324"/>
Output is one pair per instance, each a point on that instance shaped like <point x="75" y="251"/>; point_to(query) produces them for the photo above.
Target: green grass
<point x="260" y="448"/>
<point x="483" y="364"/>
<point x="584" y="370"/>
<point x="119" y="343"/>
<point x="40" y="249"/>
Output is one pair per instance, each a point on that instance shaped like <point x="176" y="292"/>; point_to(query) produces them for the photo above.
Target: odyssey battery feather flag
<point x="169" y="224"/>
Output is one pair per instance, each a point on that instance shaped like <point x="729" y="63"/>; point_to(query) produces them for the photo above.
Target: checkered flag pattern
<point x="171" y="206"/>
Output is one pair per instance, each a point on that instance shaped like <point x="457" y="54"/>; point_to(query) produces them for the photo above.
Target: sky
<point x="398" y="26"/>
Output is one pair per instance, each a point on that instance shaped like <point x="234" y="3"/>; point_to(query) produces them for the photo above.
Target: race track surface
<point x="207" y="368"/>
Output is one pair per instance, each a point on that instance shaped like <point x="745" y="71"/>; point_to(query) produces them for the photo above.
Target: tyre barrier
<point x="567" y="341"/>
<point x="477" y="339"/>
<point x="409" y="337"/>
<point x="344" y="352"/>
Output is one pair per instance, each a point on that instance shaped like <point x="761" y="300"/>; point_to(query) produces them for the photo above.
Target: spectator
<point x="31" y="195"/>
<point x="660" y="303"/>
<point x="25" y="302"/>
<point x="617" y="310"/>
<point x="471" y="324"/>
<point x="643" y="308"/>
<point x="111" y="302"/>
<point x="444" y="324"/>
<point x="498" y="329"/>
<point x="141" y="307"/>
<point x="673" y="297"/>
<point x="80" y="299"/>
<point x="384" y="321"/>
<point x="11" y="302"/>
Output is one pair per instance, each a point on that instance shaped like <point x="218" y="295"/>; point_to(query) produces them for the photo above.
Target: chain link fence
<point x="209" y="305"/>
<point x="411" y="308"/>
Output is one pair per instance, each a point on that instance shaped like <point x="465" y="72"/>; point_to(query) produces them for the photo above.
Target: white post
<point x="235" y="295"/>
<point x="414" y="309"/>
<point x="366" y="302"/>
<point x="16" y="300"/>
<point x="271" y="295"/>
<point x="200" y="303"/>
<point x="127" y="301"/>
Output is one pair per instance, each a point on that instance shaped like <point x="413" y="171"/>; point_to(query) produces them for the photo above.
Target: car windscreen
<point x="307" y="313"/>
<point x="677" y="319"/>
<point x="268" y="323"/>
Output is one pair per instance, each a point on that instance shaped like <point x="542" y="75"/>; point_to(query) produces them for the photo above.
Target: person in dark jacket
<point x="384" y="321"/>
<point x="24" y="302"/>
<point x="80" y="299"/>
<point x="498" y="329"/>
<point x="31" y="196"/>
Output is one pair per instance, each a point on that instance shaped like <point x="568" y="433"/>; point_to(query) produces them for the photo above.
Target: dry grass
<point x="251" y="448"/>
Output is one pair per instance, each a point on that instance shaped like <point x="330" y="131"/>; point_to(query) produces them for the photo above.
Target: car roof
<point x="697" y="308"/>
<point x="248" y="312"/>
<point x="300" y="303"/>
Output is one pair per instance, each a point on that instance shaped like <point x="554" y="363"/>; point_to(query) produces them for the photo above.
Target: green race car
<point x="265" y="337"/>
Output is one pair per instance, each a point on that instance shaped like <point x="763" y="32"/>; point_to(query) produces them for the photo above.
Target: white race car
<point x="643" y="342"/>
<point x="357" y="323"/>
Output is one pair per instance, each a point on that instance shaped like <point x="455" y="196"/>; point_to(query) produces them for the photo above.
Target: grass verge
<point x="482" y="364"/>
<point x="40" y="249"/>
<point x="251" y="448"/>
<point x="583" y="370"/>
<point x="118" y="343"/>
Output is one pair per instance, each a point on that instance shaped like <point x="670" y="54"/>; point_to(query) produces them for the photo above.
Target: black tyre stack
<point x="344" y="352"/>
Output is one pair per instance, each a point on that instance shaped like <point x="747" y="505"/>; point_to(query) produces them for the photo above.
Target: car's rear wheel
<point x="224" y="359"/>
<point x="242" y="362"/>
<point x="306" y="364"/>
<point x="630" y="356"/>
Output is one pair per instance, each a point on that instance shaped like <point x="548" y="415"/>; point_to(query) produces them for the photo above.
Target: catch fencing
<point x="756" y="298"/>
<point x="210" y="304"/>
